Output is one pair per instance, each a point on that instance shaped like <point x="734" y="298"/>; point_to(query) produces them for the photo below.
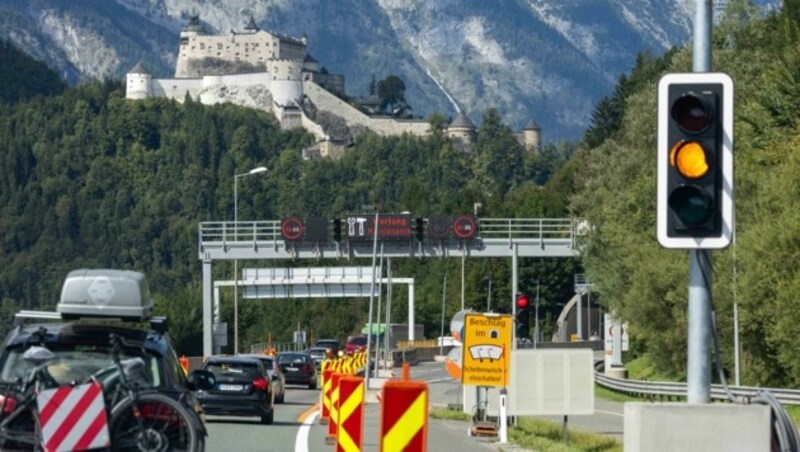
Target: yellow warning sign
<point x="487" y="349"/>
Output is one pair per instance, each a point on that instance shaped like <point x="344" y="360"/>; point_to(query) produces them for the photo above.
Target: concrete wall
<point x="656" y="427"/>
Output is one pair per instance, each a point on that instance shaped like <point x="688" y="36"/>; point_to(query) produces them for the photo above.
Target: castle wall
<point x="382" y="126"/>
<point x="176" y="88"/>
<point x="311" y="126"/>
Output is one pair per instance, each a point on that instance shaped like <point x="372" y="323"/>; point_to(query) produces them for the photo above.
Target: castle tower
<point x="251" y="26"/>
<point x="189" y="35"/>
<point x="531" y="135"/>
<point x="286" y="82"/>
<point x="462" y="130"/>
<point x="138" y="82"/>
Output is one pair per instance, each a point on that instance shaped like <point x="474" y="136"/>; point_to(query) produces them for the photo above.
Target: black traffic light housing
<point x="695" y="160"/>
<point x="419" y="228"/>
<point x="523" y="316"/>
<point x="337" y="229"/>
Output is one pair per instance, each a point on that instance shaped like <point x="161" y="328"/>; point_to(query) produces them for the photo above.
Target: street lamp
<point x="260" y="169"/>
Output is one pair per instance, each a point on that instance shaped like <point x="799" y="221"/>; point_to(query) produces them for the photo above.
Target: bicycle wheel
<point x="166" y="425"/>
<point x="21" y="430"/>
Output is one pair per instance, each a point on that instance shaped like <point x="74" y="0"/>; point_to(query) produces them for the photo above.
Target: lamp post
<point x="260" y="169"/>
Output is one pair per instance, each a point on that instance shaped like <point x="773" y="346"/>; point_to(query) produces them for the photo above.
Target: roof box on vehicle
<point x="105" y="293"/>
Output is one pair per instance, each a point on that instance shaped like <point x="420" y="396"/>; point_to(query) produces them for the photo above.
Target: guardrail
<point x="488" y="228"/>
<point x="669" y="390"/>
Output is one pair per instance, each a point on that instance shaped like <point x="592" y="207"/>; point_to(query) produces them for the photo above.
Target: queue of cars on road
<point x="240" y="385"/>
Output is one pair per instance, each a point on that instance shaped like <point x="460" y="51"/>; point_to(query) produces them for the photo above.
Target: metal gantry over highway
<point x="399" y="235"/>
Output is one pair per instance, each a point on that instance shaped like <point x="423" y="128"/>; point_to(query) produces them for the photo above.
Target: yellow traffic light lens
<point x="689" y="158"/>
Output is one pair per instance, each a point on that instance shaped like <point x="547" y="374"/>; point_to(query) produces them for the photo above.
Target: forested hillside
<point x="646" y="284"/>
<point x="90" y="179"/>
<point x="23" y="77"/>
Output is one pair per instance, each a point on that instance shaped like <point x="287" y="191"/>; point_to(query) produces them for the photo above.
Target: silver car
<point x="275" y="375"/>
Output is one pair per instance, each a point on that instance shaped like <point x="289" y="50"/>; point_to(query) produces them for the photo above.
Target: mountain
<point x="546" y="60"/>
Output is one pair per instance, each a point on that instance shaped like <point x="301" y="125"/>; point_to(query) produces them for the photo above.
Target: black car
<point x="331" y="344"/>
<point x="242" y="388"/>
<point x="298" y="368"/>
<point x="275" y="375"/>
<point x="84" y="349"/>
<point x="318" y="355"/>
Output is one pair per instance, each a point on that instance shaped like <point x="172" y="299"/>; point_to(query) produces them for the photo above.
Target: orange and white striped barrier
<point x="404" y="416"/>
<point x="73" y="418"/>
<point x="326" y="396"/>
<point x="350" y="435"/>
<point x="333" y="421"/>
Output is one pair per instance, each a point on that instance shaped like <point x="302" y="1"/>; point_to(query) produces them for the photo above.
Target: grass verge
<point x="542" y="435"/>
<point x="448" y="414"/>
<point x="546" y="436"/>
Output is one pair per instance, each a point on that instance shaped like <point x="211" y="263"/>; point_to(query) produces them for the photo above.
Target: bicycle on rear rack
<point x="35" y="413"/>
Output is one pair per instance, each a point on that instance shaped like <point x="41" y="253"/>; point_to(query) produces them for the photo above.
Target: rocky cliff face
<point x="547" y="60"/>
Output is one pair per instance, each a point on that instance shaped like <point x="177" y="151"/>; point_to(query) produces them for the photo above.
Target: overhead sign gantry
<point x="401" y="235"/>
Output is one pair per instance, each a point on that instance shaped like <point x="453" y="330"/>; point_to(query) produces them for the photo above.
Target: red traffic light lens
<point x="691" y="114"/>
<point x="523" y="301"/>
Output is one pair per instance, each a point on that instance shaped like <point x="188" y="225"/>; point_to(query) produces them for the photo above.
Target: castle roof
<point x="310" y="59"/>
<point x="251" y="25"/>
<point x="532" y="126"/>
<point x="462" y="121"/>
<point x="194" y="24"/>
<point x="139" y="69"/>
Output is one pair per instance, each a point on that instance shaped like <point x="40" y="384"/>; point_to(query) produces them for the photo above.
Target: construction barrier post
<point x="184" y="364"/>
<point x="404" y="416"/>
<point x="350" y="412"/>
<point x="333" y="422"/>
<point x="326" y="396"/>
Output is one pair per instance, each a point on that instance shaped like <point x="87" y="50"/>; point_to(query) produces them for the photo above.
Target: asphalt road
<point x="297" y="427"/>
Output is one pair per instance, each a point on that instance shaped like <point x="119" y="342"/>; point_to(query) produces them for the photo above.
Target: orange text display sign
<point x="487" y="350"/>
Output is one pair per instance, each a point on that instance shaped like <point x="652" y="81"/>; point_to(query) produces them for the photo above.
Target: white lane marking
<point x="610" y="412"/>
<point x="301" y="441"/>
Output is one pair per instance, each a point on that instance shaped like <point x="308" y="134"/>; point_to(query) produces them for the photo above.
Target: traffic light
<point x="695" y="160"/>
<point x="337" y="230"/>
<point x="523" y="325"/>
<point x="419" y="228"/>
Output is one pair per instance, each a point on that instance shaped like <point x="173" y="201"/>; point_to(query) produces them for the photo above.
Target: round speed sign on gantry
<point x="465" y="227"/>
<point x="292" y="228"/>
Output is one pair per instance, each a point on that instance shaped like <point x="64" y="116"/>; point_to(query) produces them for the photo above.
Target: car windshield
<point x="359" y="340"/>
<point x="293" y="358"/>
<point x="227" y="369"/>
<point x="76" y="363"/>
<point x="327" y="344"/>
<point x="316" y="351"/>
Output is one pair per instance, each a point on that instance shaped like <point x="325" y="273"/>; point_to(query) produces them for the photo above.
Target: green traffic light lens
<point x="690" y="205"/>
<point x="691" y="114"/>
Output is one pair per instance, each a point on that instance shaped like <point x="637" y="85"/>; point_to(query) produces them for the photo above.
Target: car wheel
<point x="282" y="396"/>
<point x="268" y="419"/>
<point x="312" y="385"/>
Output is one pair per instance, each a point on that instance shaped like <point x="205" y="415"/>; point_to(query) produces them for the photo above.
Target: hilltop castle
<point x="259" y="69"/>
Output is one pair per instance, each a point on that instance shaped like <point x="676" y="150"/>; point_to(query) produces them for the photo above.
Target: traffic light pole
<point x="698" y="381"/>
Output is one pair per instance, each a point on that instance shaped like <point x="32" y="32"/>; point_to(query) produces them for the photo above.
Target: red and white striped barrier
<point x="73" y="418"/>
